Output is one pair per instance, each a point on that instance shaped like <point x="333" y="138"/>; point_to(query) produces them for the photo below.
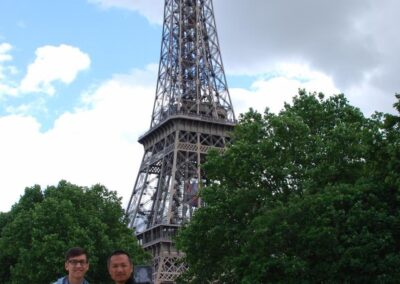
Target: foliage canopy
<point x="43" y="225"/>
<point x="309" y="195"/>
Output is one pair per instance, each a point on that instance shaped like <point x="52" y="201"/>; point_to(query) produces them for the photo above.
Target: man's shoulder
<point x="60" y="280"/>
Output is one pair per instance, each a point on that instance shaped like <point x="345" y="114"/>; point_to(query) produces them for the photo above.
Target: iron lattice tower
<point x="192" y="114"/>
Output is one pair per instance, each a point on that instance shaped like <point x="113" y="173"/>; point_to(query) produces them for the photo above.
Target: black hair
<point x="119" y="252"/>
<point x="76" y="251"/>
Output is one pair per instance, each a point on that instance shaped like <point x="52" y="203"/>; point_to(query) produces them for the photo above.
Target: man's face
<point x="120" y="268"/>
<point x="77" y="267"/>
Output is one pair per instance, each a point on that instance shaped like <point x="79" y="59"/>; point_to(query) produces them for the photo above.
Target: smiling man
<point x="120" y="267"/>
<point x="76" y="264"/>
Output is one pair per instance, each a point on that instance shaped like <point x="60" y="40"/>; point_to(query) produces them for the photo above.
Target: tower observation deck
<point x="192" y="114"/>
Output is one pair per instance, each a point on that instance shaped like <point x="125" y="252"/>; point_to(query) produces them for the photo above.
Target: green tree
<point x="41" y="227"/>
<point x="308" y="195"/>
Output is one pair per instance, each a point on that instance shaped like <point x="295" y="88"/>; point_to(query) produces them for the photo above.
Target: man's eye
<point x="121" y="265"/>
<point x="76" y="262"/>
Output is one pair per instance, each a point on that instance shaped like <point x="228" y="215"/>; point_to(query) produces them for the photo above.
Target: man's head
<point x="76" y="263"/>
<point x="120" y="266"/>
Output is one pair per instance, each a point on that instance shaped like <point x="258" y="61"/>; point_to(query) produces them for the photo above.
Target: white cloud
<point x="355" y="43"/>
<point x="21" y="155"/>
<point x="150" y="9"/>
<point x="274" y="91"/>
<point x="5" y="48"/>
<point x="54" y="63"/>
<point x="7" y="90"/>
<point x="6" y="87"/>
<point x="29" y="108"/>
<point x="96" y="143"/>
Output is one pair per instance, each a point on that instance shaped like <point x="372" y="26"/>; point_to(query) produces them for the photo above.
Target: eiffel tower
<point x="192" y="114"/>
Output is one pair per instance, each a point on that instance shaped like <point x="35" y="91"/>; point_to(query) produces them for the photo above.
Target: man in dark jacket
<point x="120" y="267"/>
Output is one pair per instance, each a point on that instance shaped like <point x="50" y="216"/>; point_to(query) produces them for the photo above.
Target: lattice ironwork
<point x="191" y="75"/>
<point x="192" y="114"/>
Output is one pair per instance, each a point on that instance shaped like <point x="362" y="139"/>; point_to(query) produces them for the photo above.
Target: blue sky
<point x="115" y="40"/>
<point x="77" y="77"/>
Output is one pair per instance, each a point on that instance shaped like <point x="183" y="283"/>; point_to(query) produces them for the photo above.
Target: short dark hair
<point x="119" y="252"/>
<point x="76" y="251"/>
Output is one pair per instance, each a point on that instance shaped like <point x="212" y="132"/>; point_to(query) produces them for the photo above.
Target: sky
<point x="78" y="77"/>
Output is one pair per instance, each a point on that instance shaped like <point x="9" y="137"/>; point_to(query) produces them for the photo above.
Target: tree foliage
<point x="43" y="225"/>
<point x="309" y="195"/>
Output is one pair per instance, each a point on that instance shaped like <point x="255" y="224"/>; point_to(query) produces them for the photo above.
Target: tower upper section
<point x="191" y="79"/>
